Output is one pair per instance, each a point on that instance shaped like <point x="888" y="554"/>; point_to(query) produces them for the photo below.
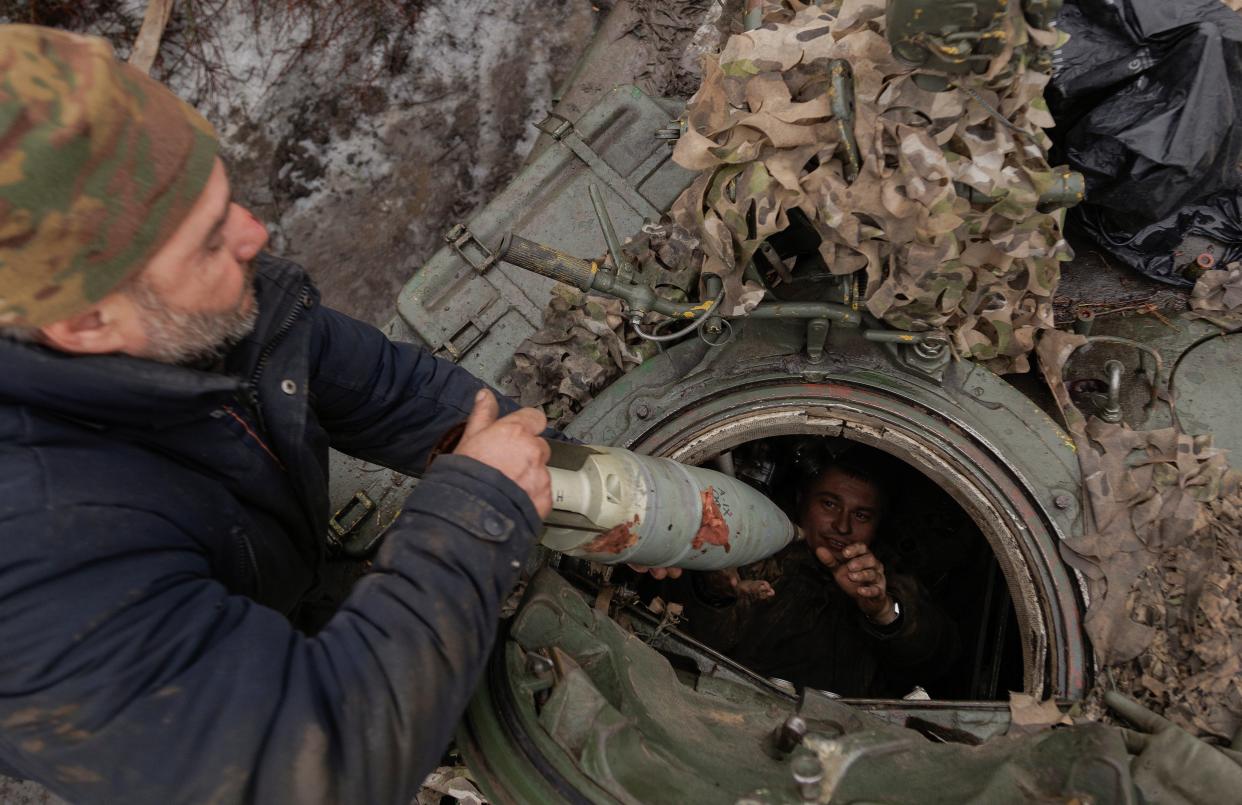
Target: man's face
<point x="839" y="510"/>
<point x="195" y="297"/>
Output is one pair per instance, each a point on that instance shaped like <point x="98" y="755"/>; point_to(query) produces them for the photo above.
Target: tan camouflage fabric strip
<point x="1161" y="550"/>
<point x="761" y="129"/>
<point x="99" y="165"/>
<point x="1217" y="296"/>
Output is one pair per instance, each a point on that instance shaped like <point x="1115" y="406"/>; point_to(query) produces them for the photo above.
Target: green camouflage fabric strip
<point x="99" y="165"/>
<point x="1161" y="551"/>
<point x="933" y="196"/>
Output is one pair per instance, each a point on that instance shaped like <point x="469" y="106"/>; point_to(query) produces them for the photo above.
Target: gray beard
<point x="187" y="338"/>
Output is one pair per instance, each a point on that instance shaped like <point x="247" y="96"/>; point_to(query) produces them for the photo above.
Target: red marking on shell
<point x="713" y="530"/>
<point x="615" y="539"/>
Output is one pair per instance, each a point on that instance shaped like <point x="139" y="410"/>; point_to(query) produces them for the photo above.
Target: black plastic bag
<point x="1147" y="96"/>
<point x="1170" y="250"/>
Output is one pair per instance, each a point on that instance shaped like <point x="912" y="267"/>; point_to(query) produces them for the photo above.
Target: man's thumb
<point x="483" y="414"/>
<point x="824" y="555"/>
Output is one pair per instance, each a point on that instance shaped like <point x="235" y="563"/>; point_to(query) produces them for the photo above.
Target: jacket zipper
<point x="246" y="558"/>
<point x="251" y="387"/>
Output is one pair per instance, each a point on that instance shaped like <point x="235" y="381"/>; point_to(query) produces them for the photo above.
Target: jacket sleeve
<point x="384" y="401"/>
<point x="925" y="643"/>
<point x="129" y="675"/>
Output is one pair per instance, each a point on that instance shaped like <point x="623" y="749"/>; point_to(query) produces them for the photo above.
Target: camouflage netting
<point x="1162" y="554"/>
<point x="584" y="343"/>
<point x="763" y="133"/>
<point x="580" y="349"/>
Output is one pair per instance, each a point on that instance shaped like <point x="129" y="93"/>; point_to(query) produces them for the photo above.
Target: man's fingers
<point x="863" y="563"/>
<point x="1135" y="713"/>
<point x="530" y="420"/>
<point x="854" y="549"/>
<point x="864" y="575"/>
<point x="871" y="591"/>
<point x="658" y="572"/>
<point x="483" y="414"/>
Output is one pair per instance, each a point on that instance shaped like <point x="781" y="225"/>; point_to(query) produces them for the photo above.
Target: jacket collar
<point x="117" y="390"/>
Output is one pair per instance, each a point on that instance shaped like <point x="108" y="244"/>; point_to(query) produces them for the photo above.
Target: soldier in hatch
<point x="823" y="612"/>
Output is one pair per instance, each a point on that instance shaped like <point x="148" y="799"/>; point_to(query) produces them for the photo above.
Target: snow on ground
<point x="361" y="130"/>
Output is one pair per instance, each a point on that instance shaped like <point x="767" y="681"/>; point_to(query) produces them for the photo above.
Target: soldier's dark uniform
<point x="812" y="634"/>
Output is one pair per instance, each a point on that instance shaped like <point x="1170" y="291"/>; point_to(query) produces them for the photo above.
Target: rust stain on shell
<point x="615" y="539"/>
<point x="713" y="530"/>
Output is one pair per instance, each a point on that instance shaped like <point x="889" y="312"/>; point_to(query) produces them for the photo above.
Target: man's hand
<point x="511" y="445"/>
<point x="728" y="583"/>
<point x="861" y="576"/>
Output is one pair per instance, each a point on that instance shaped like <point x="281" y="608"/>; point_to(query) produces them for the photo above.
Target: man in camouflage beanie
<point x="129" y="159"/>
<point x="166" y="408"/>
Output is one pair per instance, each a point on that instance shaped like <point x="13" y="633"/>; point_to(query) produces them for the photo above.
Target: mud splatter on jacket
<point x="812" y="634"/>
<point x="156" y="523"/>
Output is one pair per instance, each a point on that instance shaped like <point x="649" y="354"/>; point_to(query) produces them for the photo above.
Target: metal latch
<point x="472" y="331"/>
<point x="555" y="126"/>
<point x="478" y="256"/>
<point x="350" y="516"/>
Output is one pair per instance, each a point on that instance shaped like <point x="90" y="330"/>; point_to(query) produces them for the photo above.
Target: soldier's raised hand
<point x="861" y="576"/>
<point x="512" y="445"/>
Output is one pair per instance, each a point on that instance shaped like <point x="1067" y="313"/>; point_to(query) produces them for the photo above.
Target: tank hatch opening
<point x="958" y="638"/>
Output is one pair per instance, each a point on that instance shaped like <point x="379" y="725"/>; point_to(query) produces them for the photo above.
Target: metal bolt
<point x="808" y="774"/>
<point x="538" y="664"/>
<point x="930" y="349"/>
<point x="1110" y="411"/>
<point x="289" y="387"/>
<point x="1083" y="319"/>
<point x="1062" y="501"/>
<point x="642" y="411"/>
<point x="789" y="734"/>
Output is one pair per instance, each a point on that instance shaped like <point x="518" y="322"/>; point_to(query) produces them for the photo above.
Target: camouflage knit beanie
<point x="99" y="165"/>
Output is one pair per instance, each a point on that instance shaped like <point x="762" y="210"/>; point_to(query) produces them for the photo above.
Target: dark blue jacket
<point x="157" y="522"/>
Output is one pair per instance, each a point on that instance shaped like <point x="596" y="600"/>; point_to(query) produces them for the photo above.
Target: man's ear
<point x="95" y="331"/>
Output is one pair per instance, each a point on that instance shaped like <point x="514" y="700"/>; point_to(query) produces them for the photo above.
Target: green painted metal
<point x="1207" y="387"/>
<point x="997" y="437"/>
<point x="624" y="724"/>
<point x="616" y="722"/>
<point x="467" y="306"/>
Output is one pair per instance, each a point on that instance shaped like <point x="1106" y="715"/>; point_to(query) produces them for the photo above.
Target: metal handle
<point x="547" y="261"/>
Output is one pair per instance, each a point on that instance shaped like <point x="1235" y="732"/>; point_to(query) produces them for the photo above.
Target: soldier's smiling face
<point x="839" y="509"/>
